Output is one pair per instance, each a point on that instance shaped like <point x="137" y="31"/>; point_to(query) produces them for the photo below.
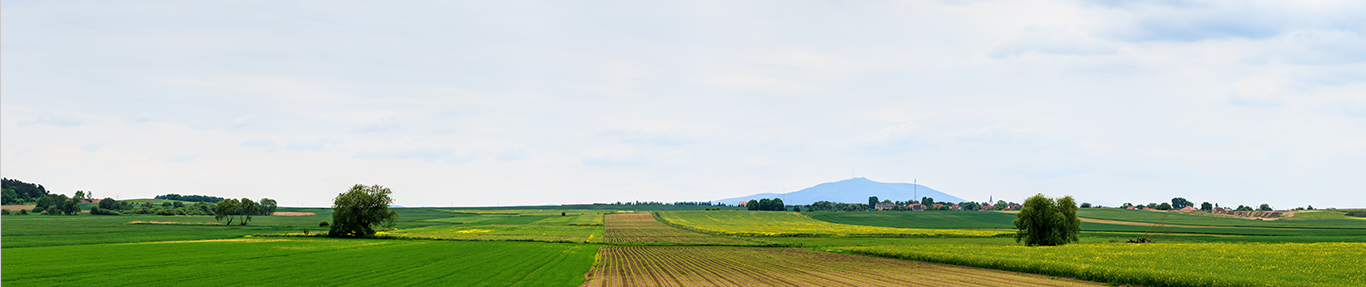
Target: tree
<point x="268" y="206"/>
<point x="778" y="205"/>
<point x="1164" y="206"/>
<point x="752" y="205"/>
<point x="930" y="201"/>
<point x="227" y="208"/>
<point x="1047" y="222"/>
<point x="872" y="200"/>
<point x="1181" y="202"/>
<point x="1126" y="205"/>
<point x="1085" y="205"/>
<point x="1000" y="205"/>
<point x="247" y="208"/>
<point x="356" y="212"/>
<point x="1264" y="207"/>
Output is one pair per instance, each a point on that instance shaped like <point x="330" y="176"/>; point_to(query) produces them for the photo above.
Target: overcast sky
<point x="478" y="103"/>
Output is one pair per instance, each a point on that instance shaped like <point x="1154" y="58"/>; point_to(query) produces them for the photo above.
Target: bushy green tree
<point x="247" y="208"/>
<point x="359" y="210"/>
<point x="226" y="209"/>
<point x="872" y="200"/>
<point x="1206" y="206"/>
<point x="752" y="205"/>
<point x="268" y="206"/>
<point x="1164" y="206"/>
<point x="1264" y="207"/>
<point x="1043" y="221"/>
<point x="1181" y="202"/>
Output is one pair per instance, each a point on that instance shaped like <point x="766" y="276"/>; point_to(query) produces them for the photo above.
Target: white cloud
<point x="62" y="120"/>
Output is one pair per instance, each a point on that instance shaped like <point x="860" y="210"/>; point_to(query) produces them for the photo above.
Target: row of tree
<point x="191" y="198"/>
<point x="13" y="191"/>
<point x="1181" y="202"/>
<point x="775" y="204"/>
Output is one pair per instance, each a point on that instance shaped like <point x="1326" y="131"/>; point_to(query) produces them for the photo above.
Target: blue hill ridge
<point x="854" y="190"/>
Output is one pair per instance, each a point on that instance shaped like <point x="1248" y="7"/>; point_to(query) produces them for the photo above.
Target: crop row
<point x="642" y="227"/>
<point x="1184" y="264"/>
<point x="773" y="223"/>
<point x="752" y="266"/>
<point x="588" y="219"/>
<point x="301" y="262"/>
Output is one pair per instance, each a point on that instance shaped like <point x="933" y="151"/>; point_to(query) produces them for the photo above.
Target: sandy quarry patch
<point x="293" y="214"/>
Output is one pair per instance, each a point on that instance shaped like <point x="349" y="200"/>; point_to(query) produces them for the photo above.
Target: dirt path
<point x="761" y="266"/>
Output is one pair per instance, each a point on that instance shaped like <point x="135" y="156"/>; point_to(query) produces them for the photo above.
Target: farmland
<point x="302" y="262"/>
<point x="1176" y="264"/>
<point x="642" y="227"/>
<point x="788" y="224"/>
<point x="719" y="247"/>
<point x="748" y="266"/>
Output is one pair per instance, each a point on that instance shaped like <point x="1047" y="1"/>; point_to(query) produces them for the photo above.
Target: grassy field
<point x="1281" y="264"/>
<point x="921" y="219"/>
<point x="781" y="223"/>
<point x="760" y="266"/>
<point x="301" y="262"/>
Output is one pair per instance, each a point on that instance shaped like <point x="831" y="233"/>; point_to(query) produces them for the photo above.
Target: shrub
<point x="4" y="211"/>
<point x="39" y="209"/>
<point x="96" y="210"/>
<point x="322" y="223"/>
<point x="23" y="212"/>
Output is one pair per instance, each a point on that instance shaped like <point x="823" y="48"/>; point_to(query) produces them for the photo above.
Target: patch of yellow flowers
<point x="779" y="223"/>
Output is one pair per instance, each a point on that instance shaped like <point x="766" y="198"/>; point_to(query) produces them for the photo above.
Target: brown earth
<point x="642" y="227"/>
<point x="17" y="207"/>
<point x="293" y="214"/>
<point x="765" y="266"/>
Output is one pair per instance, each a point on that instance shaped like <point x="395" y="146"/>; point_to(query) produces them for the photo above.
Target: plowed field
<point x="642" y="227"/>
<point x="759" y="266"/>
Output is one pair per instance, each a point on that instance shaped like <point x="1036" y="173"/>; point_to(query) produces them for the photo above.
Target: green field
<point x="1196" y="264"/>
<point x="301" y="262"/>
<point x="559" y="246"/>
<point x="1178" y="218"/>
<point x="782" y="223"/>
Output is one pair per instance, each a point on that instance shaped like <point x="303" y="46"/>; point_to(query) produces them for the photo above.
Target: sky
<point x="483" y="103"/>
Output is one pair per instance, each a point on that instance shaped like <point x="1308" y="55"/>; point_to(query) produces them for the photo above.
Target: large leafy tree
<point x="267" y="206"/>
<point x="246" y="209"/>
<point x="1043" y="221"/>
<point x="1181" y="202"/>
<point x="228" y="208"/>
<point x="358" y="211"/>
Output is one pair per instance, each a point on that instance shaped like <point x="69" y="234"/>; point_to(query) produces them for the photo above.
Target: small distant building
<point x="916" y="207"/>
<point x="884" y="205"/>
<point x="1013" y="206"/>
<point x="742" y="203"/>
<point x="1189" y="208"/>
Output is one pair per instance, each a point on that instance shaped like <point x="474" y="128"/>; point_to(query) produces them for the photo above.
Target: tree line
<point x="13" y="191"/>
<point x="1178" y="203"/>
<point x="192" y="198"/>
<point x="775" y="204"/>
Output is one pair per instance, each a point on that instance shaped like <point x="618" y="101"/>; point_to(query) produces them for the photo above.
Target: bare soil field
<point x="761" y="266"/>
<point x="17" y="207"/>
<point x="642" y="227"/>
<point x="292" y="214"/>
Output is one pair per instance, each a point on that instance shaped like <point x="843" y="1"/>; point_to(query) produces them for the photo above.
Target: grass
<point x="51" y="230"/>
<point x="1250" y="264"/>
<point x="302" y="262"/>
<point x="504" y="232"/>
<point x="1319" y="215"/>
<point x="782" y="223"/>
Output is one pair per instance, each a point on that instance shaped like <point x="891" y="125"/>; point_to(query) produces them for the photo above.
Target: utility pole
<point x="915" y="188"/>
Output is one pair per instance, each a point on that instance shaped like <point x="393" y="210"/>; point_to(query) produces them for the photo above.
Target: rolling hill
<point x="854" y="190"/>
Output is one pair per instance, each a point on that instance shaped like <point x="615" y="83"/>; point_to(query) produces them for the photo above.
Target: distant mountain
<point x="854" y="190"/>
